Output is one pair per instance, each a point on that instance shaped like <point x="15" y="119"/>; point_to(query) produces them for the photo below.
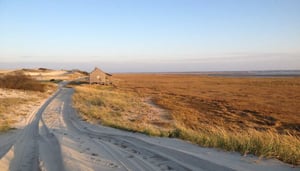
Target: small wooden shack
<point x="97" y="76"/>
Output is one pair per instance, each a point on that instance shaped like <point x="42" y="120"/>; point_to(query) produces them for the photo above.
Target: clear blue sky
<point x="153" y="35"/>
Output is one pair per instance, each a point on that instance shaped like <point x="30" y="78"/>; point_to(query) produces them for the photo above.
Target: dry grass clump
<point x="117" y="109"/>
<point x="5" y="105"/>
<point x="21" y="81"/>
<point x="4" y="126"/>
<point x="267" y="144"/>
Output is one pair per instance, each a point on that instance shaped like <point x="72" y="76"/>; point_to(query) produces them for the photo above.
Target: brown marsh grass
<point x="250" y="115"/>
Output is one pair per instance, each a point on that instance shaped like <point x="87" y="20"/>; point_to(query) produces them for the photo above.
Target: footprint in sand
<point x="94" y="154"/>
<point x="130" y="156"/>
<point x="123" y="146"/>
<point x="111" y="165"/>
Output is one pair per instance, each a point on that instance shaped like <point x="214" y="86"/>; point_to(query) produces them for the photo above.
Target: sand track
<point x="56" y="139"/>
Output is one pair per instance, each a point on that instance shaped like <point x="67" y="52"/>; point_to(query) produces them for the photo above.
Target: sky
<point x="150" y="35"/>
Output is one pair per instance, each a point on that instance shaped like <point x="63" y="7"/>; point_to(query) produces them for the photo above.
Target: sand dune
<point x="48" y="74"/>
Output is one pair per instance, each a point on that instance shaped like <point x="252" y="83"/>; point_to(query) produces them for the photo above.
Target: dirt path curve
<point x="56" y="139"/>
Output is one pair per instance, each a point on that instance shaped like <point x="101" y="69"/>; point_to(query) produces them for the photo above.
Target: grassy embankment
<point x="18" y="94"/>
<point x="250" y="115"/>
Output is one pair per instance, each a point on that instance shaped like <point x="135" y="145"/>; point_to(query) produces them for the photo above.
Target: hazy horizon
<point x="114" y="68"/>
<point x="151" y="36"/>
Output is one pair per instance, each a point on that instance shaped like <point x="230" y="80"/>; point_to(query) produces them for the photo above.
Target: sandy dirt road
<point x="56" y="139"/>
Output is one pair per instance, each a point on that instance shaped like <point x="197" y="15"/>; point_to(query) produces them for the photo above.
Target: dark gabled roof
<point x="96" y="68"/>
<point x="108" y="74"/>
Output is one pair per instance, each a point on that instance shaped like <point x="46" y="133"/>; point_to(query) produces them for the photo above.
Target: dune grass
<point x="116" y="109"/>
<point x="246" y="115"/>
<point x="7" y="104"/>
<point x="4" y="124"/>
<point x="4" y="127"/>
<point x="267" y="144"/>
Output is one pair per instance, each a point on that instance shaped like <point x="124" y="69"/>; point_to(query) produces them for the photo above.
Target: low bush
<point x="55" y="80"/>
<point x="21" y="81"/>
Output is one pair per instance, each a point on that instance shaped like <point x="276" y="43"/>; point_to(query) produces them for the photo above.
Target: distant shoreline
<point x="268" y="73"/>
<point x="253" y="73"/>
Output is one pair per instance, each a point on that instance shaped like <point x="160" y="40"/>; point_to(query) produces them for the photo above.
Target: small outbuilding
<point x="97" y="76"/>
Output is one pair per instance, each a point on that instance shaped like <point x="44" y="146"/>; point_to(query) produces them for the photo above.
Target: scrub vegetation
<point x="21" y="81"/>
